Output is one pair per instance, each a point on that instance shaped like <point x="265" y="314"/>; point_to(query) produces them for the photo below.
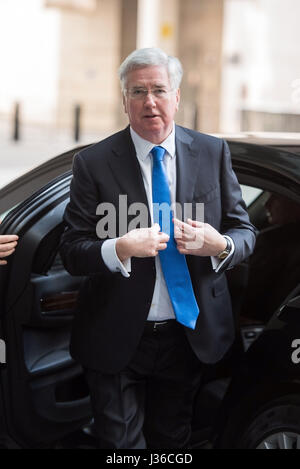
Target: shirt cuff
<point x="111" y="260"/>
<point x="217" y="263"/>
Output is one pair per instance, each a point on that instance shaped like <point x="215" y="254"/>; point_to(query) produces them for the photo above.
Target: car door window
<point x="260" y="285"/>
<point x="250" y="194"/>
<point x="274" y="267"/>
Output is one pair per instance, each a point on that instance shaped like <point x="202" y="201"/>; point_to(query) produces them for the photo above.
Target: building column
<point x="89" y="59"/>
<point x="200" y="50"/>
<point x="157" y="24"/>
<point x="148" y="23"/>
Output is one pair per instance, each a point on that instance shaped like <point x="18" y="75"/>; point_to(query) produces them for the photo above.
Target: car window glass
<point x="273" y="270"/>
<point x="250" y="194"/>
<point x="3" y="215"/>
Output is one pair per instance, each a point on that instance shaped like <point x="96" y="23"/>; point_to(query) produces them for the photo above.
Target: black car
<point x="251" y="399"/>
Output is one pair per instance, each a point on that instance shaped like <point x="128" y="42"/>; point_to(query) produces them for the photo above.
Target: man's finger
<point x="156" y="227"/>
<point x="8" y="238"/>
<point x="180" y="226"/>
<point x="7" y="247"/>
<point x="163" y="237"/>
<point x="195" y="223"/>
<point x="182" y="250"/>
<point x="185" y="235"/>
<point x="3" y="262"/>
<point x="180" y="244"/>
<point x="183" y="227"/>
<point x="177" y="232"/>
<point x="6" y="253"/>
<point x="178" y="222"/>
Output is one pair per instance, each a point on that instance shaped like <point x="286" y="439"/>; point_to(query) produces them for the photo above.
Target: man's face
<point x="151" y="116"/>
<point x="281" y="210"/>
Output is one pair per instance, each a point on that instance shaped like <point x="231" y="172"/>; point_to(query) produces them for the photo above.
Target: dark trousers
<point x="149" y="404"/>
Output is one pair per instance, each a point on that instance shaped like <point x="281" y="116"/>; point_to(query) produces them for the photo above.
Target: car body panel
<point x="264" y="373"/>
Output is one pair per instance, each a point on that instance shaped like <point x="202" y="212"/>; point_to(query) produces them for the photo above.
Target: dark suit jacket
<point x="113" y="309"/>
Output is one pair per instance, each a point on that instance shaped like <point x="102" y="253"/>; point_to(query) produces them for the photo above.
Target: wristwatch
<point x="224" y="254"/>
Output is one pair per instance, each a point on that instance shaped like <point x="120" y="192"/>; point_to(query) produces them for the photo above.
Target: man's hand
<point x="7" y="246"/>
<point x="141" y="242"/>
<point x="198" y="239"/>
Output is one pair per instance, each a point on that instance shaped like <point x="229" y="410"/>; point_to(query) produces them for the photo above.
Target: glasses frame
<point x="142" y="93"/>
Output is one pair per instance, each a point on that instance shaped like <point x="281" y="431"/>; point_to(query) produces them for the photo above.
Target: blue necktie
<point x="173" y="263"/>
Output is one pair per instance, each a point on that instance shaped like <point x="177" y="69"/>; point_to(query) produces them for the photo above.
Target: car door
<point x="43" y="392"/>
<point x="264" y="390"/>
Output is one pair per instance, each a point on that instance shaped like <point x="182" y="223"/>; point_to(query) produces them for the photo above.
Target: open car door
<point x="43" y="394"/>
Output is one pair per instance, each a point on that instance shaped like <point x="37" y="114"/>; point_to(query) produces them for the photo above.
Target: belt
<point x="160" y="326"/>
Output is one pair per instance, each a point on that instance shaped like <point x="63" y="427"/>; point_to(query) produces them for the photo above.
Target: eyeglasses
<point x="142" y="93"/>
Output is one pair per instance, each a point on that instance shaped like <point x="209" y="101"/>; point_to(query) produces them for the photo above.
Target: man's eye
<point x="160" y="91"/>
<point x="138" y="92"/>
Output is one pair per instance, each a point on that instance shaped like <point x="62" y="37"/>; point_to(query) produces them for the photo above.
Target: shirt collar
<point x="143" y="147"/>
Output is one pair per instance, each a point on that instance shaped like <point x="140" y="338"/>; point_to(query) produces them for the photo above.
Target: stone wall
<point x="89" y="58"/>
<point x="200" y="50"/>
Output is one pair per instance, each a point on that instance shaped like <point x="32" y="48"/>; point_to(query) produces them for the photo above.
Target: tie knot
<point x="158" y="153"/>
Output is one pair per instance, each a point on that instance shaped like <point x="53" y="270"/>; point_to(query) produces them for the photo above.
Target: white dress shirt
<point x="161" y="307"/>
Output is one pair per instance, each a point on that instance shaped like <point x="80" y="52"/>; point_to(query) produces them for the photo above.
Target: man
<point x="154" y="306"/>
<point x="8" y="244"/>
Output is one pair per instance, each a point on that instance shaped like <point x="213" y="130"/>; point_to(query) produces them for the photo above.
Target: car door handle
<point x="60" y="303"/>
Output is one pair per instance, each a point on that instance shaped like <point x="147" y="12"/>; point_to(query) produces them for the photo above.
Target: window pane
<point x="250" y="193"/>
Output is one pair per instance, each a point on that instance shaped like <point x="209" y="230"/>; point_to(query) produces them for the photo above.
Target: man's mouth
<point x="151" y="116"/>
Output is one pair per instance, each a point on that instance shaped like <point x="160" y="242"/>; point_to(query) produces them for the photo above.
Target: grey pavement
<point x="36" y="145"/>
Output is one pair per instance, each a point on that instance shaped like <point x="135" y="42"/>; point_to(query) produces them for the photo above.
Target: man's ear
<point x="124" y="104"/>
<point x="177" y="99"/>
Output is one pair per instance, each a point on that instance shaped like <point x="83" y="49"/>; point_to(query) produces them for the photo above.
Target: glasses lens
<point x="142" y="93"/>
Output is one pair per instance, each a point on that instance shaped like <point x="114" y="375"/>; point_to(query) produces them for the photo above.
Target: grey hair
<point x="151" y="56"/>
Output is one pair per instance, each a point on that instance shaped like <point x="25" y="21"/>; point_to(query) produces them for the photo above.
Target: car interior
<point x="273" y="270"/>
<point x="40" y="382"/>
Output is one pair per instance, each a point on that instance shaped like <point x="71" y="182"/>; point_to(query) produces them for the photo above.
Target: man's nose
<point x="269" y="202"/>
<point x="149" y="99"/>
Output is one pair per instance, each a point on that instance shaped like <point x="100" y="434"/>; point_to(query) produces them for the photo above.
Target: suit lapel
<point x="127" y="171"/>
<point x="186" y="166"/>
